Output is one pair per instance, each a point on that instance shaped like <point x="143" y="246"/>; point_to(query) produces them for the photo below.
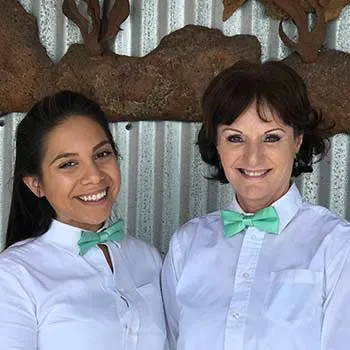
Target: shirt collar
<point x="286" y="206"/>
<point x="66" y="236"/>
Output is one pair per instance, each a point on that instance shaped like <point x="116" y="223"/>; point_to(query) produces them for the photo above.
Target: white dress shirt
<point x="51" y="298"/>
<point x="260" y="291"/>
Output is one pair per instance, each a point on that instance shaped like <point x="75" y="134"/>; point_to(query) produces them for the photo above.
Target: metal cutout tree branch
<point x="309" y="42"/>
<point x="113" y="15"/>
<point x="332" y="8"/>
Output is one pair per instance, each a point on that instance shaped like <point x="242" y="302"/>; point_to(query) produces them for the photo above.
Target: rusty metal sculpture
<point x="332" y="8"/>
<point x="164" y="85"/>
<point x="167" y="83"/>
<point x="103" y="29"/>
<point x="309" y="42"/>
<point x="328" y="82"/>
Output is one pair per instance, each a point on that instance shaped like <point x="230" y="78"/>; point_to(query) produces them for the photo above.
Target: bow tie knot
<point x="89" y="239"/>
<point x="265" y="219"/>
<point x="247" y="221"/>
<point x="103" y="236"/>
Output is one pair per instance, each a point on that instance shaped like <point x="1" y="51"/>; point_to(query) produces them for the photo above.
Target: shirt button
<point x="245" y="275"/>
<point x="235" y="315"/>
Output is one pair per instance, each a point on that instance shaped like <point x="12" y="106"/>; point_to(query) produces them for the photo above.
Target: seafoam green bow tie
<point x="89" y="239"/>
<point x="265" y="219"/>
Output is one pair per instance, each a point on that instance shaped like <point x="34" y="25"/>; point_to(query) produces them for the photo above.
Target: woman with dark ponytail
<point x="69" y="278"/>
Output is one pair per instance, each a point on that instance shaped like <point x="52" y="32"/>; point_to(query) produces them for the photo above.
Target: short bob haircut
<point x="271" y="84"/>
<point x="31" y="216"/>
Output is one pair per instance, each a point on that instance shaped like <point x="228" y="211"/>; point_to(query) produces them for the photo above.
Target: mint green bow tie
<point x="265" y="219"/>
<point x="89" y="239"/>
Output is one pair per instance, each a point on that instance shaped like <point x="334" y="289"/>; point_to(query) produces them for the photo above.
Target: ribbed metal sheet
<point x="163" y="175"/>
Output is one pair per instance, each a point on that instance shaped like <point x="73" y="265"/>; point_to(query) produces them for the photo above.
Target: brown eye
<point x="66" y="165"/>
<point x="103" y="154"/>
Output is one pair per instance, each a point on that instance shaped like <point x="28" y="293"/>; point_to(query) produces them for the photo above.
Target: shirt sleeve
<point x="169" y="283"/>
<point x="336" y="320"/>
<point x="18" y="326"/>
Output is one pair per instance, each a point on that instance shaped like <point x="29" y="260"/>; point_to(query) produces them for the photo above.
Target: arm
<point x="169" y="283"/>
<point x="336" y="321"/>
<point x="18" y="326"/>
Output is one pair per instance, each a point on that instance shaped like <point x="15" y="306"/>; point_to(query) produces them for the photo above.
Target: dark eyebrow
<point x="232" y="129"/>
<point x="275" y="129"/>
<point x="102" y="143"/>
<point x="63" y="155"/>
<point x="71" y="154"/>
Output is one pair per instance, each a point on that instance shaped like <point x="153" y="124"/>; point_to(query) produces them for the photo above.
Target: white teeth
<point x="253" y="173"/>
<point x="94" y="198"/>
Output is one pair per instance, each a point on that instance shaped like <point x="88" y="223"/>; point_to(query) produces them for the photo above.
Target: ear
<point x="34" y="185"/>
<point x="298" y="142"/>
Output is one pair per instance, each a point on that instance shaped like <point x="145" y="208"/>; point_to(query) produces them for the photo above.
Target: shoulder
<point x="18" y="264"/>
<point x="332" y="230"/>
<point x="18" y="254"/>
<point x="201" y="231"/>
<point x="323" y="219"/>
<point x="16" y="267"/>
<point x="199" y="224"/>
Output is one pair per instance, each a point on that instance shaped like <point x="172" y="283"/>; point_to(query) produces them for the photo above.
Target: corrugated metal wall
<point x="163" y="175"/>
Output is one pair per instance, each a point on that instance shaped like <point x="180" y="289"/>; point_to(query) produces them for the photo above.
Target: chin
<point x="98" y="221"/>
<point x="254" y="198"/>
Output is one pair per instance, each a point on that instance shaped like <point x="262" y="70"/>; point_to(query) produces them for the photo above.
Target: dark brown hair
<point x="271" y="84"/>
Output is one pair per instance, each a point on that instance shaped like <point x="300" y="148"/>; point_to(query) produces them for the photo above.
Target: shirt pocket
<point x="293" y="296"/>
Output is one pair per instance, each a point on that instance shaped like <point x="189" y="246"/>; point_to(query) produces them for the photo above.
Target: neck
<point x="252" y="206"/>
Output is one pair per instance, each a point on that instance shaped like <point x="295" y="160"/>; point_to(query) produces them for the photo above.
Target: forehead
<point x="72" y="134"/>
<point x="263" y="118"/>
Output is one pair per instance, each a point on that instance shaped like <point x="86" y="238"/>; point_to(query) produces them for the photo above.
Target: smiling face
<point x="80" y="173"/>
<point x="257" y="157"/>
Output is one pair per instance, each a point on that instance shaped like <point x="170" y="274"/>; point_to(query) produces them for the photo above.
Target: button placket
<point x="245" y="275"/>
<point x="245" y="272"/>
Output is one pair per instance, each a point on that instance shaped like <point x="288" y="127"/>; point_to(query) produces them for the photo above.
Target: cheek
<point x="115" y="175"/>
<point x="285" y="162"/>
<point x="226" y="155"/>
<point x="55" y="185"/>
<point x="231" y="173"/>
<point x="118" y="178"/>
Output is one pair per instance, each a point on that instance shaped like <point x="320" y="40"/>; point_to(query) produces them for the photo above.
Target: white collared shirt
<point x="259" y="291"/>
<point x="51" y="298"/>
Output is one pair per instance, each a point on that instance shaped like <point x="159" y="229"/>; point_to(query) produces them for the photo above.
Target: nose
<point x="92" y="174"/>
<point x="253" y="154"/>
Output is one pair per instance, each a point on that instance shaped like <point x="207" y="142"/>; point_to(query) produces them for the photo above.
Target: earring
<point x="296" y="161"/>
